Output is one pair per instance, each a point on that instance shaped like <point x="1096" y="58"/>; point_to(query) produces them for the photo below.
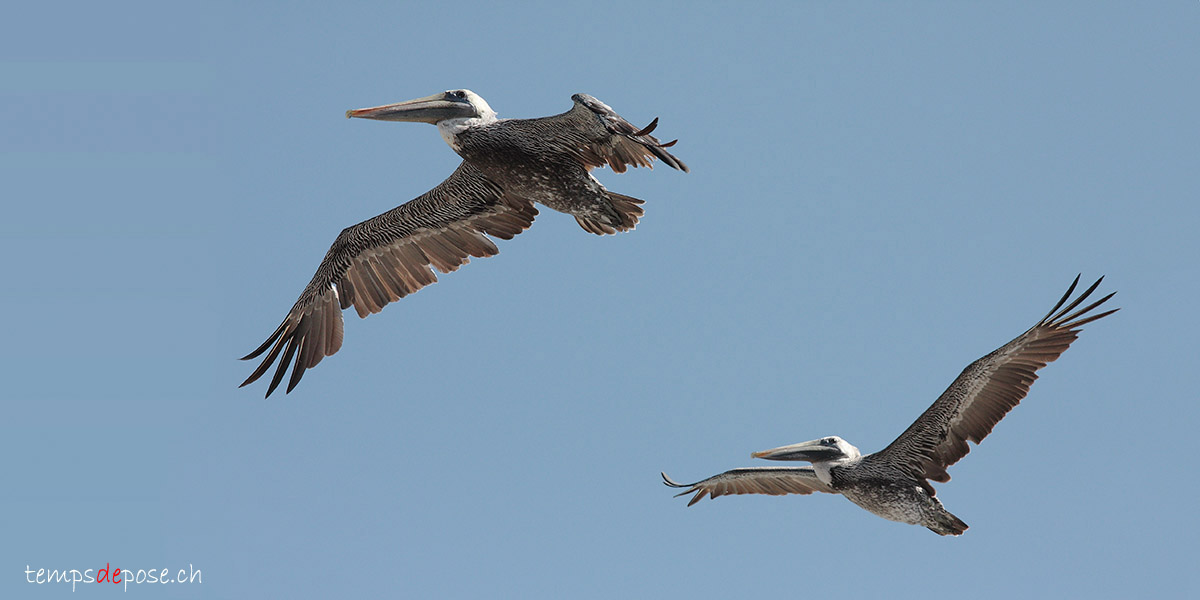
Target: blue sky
<point x="880" y="193"/>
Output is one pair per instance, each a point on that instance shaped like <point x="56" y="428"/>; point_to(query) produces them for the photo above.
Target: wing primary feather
<point x="284" y="361"/>
<point x="266" y="362"/>
<point x="1077" y="301"/>
<point x="1067" y="320"/>
<point x="301" y="365"/>
<point x="647" y="129"/>
<point x="1062" y="300"/>
<point x="1083" y="322"/>
<point x="267" y="344"/>
<point x="671" y="483"/>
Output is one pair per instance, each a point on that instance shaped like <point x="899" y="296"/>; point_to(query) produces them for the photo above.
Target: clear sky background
<point x="880" y="193"/>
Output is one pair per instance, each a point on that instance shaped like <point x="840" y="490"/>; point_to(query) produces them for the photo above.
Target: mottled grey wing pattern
<point x="596" y="135"/>
<point x="388" y="257"/>
<point x="985" y="391"/>
<point x="773" y="481"/>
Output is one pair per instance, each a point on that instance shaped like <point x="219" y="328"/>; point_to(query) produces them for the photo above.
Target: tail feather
<point x="948" y="524"/>
<point x="627" y="208"/>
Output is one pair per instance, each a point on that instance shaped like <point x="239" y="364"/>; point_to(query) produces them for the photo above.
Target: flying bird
<point x="893" y="483"/>
<point x="508" y="166"/>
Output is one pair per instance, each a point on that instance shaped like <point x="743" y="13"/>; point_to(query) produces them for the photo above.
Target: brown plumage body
<point x="894" y="482"/>
<point x="508" y="166"/>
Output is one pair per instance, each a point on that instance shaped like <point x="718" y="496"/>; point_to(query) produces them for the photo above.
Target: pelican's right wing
<point x="773" y="481"/>
<point x="597" y="136"/>
<point x="388" y="257"/>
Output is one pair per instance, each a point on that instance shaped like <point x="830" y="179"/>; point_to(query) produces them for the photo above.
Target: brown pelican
<point x="508" y="165"/>
<point x="892" y="483"/>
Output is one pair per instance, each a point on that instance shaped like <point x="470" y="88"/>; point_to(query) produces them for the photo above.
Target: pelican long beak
<point x="813" y="451"/>
<point x="430" y="109"/>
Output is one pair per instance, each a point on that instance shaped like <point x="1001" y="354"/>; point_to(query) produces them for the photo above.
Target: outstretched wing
<point x="773" y="481"/>
<point x="388" y="257"/>
<point x="986" y="390"/>
<point x="596" y="136"/>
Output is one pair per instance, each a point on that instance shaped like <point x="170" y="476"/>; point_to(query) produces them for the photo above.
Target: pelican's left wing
<point x="985" y="391"/>
<point x="773" y="481"/>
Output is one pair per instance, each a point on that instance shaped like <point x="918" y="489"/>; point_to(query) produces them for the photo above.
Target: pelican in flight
<point x="508" y="165"/>
<point x="893" y="483"/>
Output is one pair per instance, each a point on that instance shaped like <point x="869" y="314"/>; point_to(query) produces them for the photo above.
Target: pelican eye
<point x="457" y="94"/>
